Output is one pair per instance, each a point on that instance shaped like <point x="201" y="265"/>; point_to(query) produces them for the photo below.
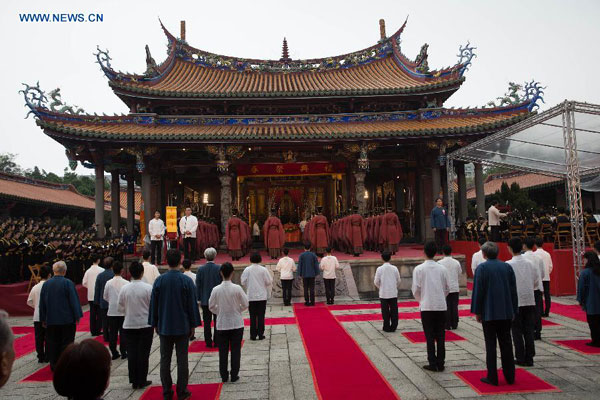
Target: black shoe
<point x="224" y="380"/>
<point x="312" y="304"/>
<point x="430" y="368"/>
<point x="441" y="369"/>
<point x="185" y="395"/>
<point x="192" y="338"/>
<point x="143" y="385"/>
<point x="592" y="344"/>
<point x="252" y="338"/>
<point x="306" y="303"/>
<point x="134" y="386"/>
<point x="124" y="356"/>
<point x="116" y="356"/>
<point x="487" y="381"/>
<point x="538" y="338"/>
<point x="209" y="344"/>
<point x="261" y="338"/>
<point x="235" y="378"/>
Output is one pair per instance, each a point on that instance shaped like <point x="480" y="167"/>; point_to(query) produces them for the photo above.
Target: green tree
<point x="9" y="165"/>
<point x="515" y="197"/>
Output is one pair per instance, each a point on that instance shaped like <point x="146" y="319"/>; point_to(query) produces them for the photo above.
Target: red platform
<point x="525" y="382"/>
<point x="14" y="298"/>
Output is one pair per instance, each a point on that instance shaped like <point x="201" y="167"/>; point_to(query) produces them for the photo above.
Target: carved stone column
<point x="99" y="198"/>
<point x="479" y="190"/>
<point x="359" y="187"/>
<point x="115" y="202"/>
<point x="225" y="200"/>
<point x="463" y="211"/>
<point x="130" y="203"/>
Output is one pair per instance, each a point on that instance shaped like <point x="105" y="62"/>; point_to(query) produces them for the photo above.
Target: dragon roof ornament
<point x="465" y="55"/>
<point x="532" y="93"/>
<point x="34" y="98"/>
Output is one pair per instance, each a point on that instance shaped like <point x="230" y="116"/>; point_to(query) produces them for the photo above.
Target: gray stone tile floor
<point x="277" y="368"/>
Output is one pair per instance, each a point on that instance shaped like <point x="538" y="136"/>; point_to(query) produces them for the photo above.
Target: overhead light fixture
<point x="205" y="198"/>
<point x="249" y="148"/>
<point x="184" y="149"/>
<point x="366" y="194"/>
<point x="180" y="182"/>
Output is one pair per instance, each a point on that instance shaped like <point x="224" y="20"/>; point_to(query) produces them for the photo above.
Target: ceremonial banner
<point x="282" y="169"/>
<point x="171" y="219"/>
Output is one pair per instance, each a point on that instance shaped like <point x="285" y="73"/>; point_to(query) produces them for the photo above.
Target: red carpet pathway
<point x="569" y="311"/>
<point x="525" y="382"/>
<point x="340" y="368"/>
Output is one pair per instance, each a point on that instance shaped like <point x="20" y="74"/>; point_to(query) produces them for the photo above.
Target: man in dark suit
<point x="495" y="303"/>
<point x="308" y="269"/>
<point x="101" y="280"/>
<point x="207" y="277"/>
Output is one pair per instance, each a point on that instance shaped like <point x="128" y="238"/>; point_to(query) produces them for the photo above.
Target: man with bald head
<point x="59" y="312"/>
<point x="7" y="350"/>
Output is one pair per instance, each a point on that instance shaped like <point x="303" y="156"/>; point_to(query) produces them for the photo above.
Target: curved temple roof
<point x="189" y="72"/>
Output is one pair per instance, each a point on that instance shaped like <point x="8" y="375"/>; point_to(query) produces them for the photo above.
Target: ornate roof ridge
<point x="5" y="176"/>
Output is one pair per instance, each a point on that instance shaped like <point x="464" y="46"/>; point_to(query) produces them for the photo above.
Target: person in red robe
<point x="235" y="236"/>
<point x="274" y="235"/>
<point x="390" y="232"/>
<point x="356" y="231"/>
<point x="319" y="233"/>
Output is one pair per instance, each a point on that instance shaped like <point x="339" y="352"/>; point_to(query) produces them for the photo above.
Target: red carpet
<point x="525" y="382"/>
<point x="469" y="285"/>
<point x="199" y="346"/>
<point x="84" y="323"/>
<point x="101" y="340"/>
<point x="549" y="323"/>
<point x="569" y="311"/>
<point x="41" y="375"/>
<point x="22" y="330"/>
<point x="377" y="316"/>
<point x="24" y="345"/>
<point x="579" y="345"/>
<point x="275" y="321"/>
<point x="204" y="391"/>
<point x="374" y="306"/>
<point x="340" y="368"/>
<point x="419" y="337"/>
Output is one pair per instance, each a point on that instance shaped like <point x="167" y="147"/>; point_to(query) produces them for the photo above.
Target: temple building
<point x="217" y="133"/>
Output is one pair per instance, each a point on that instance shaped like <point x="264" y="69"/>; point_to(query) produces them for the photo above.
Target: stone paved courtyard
<point x="278" y="368"/>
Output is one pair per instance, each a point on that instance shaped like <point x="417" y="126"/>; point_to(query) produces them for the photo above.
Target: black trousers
<point x="434" y="324"/>
<point x="495" y="233"/>
<point x="156" y="249"/>
<point x="440" y="238"/>
<point x="547" y="297"/>
<point x="257" y="318"/>
<point x="286" y="286"/>
<point x="309" y="290"/>
<point x="40" y="341"/>
<point x="104" y="321"/>
<point x="181" y="344"/>
<point x="115" y="330"/>
<point x="452" y="312"/>
<point x="522" y="333"/>
<point x="58" y="337"/>
<point x="499" y="330"/>
<point x="189" y="248"/>
<point x="539" y="310"/>
<point x="329" y="289"/>
<point x="389" y="313"/>
<point x="207" y="318"/>
<point x="230" y="340"/>
<point x="594" y="324"/>
<point x="95" y="319"/>
<point x="139" y="343"/>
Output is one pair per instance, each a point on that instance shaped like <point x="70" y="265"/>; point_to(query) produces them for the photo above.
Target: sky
<point x="553" y="42"/>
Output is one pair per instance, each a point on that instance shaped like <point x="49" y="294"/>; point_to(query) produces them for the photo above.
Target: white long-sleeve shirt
<point x="151" y="272"/>
<point x="476" y="260"/>
<point x="387" y="280"/>
<point x="111" y="295"/>
<point x="89" y="280"/>
<point x="547" y="258"/>
<point x="134" y="303"/>
<point x="156" y="227"/>
<point x="191" y="275"/>
<point x="538" y="263"/>
<point x="286" y="268"/>
<point x="33" y="300"/>
<point x="527" y="278"/>
<point x="454" y="271"/>
<point x="257" y="281"/>
<point x="430" y="286"/>
<point x="188" y="224"/>
<point x="227" y="301"/>
<point x="328" y="265"/>
<point x="494" y="216"/>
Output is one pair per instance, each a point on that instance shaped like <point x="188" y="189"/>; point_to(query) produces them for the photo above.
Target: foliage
<point x="85" y="184"/>
<point x="73" y="222"/>
<point x="515" y="197"/>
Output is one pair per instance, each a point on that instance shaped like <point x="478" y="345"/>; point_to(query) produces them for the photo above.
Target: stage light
<point x="180" y="182"/>
<point x="184" y="149"/>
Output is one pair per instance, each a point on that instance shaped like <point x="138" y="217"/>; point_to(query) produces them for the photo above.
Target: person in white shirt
<point x="39" y="330"/>
<point x="328" y="265"/>
<point x="454" y="271"/>
<point x="387" y="280"/>
<point x="494" y="216"/>
<point x="227" y="301"/>
<point x="89" y="282"/>
<point x="134" y="302"/>
<point x="256" y="231"/>
<point x="430" y="288"/>
<point x="187" y="269"/>
<point x="527" y="279"/>
<point x="156" y="230"/>
<point x="257" y="281"/>
<point x="286" y="268"/>
<point x="188" y="224"/>
<point x="115" y="317"/>
<point x="477" y="257"/>
<point x="538" y="263"/>
<point x="548" y="267"/>
<point x="151" y="272"/>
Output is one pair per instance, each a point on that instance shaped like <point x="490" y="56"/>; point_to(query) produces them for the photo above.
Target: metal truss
<point x="451" y="205"/>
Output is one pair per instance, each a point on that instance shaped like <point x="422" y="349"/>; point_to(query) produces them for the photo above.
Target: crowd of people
<point x="35" y="241"/>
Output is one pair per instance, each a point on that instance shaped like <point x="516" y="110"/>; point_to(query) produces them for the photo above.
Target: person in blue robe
<point x="588" y="295"/>
<point x="101" y="280"/>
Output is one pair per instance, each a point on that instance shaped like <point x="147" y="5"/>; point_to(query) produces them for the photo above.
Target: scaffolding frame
<point x="569" y="168"/>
